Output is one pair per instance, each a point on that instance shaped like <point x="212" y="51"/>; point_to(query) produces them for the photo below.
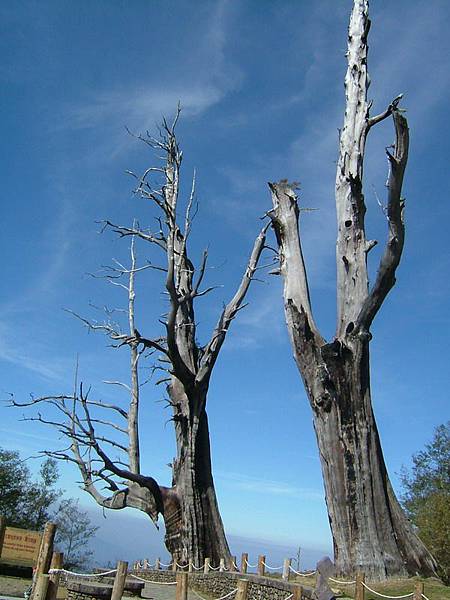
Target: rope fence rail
<point x="361" y="588"/>
<point x="101" y="574"/>
<point x="342" y="582"/>
<point x="302" y="574"/>
<point x="272" y="568"/>
<point x="385" y="595"/>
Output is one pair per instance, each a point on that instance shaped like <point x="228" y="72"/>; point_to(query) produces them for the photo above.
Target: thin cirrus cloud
<point x="259" y="485"/>
<point x="142" y="106"/>
<point x="200" y="79"/>
<point x="49" y="368"/>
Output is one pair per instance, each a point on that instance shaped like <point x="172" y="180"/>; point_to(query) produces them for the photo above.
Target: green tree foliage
<point x="14" y="480"/>
<point x="73" y="533"/>
<point x="29" y="504"/>
<point x="427" y="496"/>
<point x="25" y="502"/>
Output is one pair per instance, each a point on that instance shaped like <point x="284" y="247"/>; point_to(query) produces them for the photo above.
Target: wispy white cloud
<point x="142" y="107"/>
<point x="200" y="80"/>
<point x="22" y="434"/>
<point x="45" y="368"/>
<point x="259" y="485"/>
<point x="34" y="356"/>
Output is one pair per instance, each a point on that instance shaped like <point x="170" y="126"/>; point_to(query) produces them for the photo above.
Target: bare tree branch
<point x="393" y="106"/>
<point x="124" y="231"/>
<point x="229" y="312"/>
<point x="285" y="220"/>
<point x="390" y="260"/>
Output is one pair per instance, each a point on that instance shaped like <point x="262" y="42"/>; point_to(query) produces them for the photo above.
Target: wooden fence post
<point x="39" y="586"/>
<point x="418" y="590"/>
<point x="2" y="532"/>
<point x="157" y="565"/>
<point x="244" y="562"/>
<point x="286" y="569"/>
<point x="261" y="566"/>
<point x="146" y="562"/>
<point x="57" y="563"/>
<point x="206" y="565"/>
<point x="190" y="568"/>
<point x="119" y="580"/>
<point x="174" y="565"/>
<point x="182" y="586"/>
<point x="242" y="587"/>
<point x="222" y="565"/>
<point x="297" y="593"/>
<point x="359" y="587"/>
<point x="46" y="548"/>
<point x="233" y="564"/>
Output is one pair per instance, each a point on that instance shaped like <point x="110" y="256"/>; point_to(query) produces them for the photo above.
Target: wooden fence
<point x="48" y="569"/>
<point x="361" y="589"/>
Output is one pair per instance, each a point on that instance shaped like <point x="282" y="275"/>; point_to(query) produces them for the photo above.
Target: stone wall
<point x="153" y="575"/>
<point x="219" y="584"/>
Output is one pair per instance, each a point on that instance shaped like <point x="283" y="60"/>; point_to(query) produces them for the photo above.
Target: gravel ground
<point x="13" y="586"/>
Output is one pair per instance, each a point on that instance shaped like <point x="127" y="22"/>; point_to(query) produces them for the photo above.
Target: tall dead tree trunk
<point x="194" y="528"/>
<point x="198" y="517"/>
<point x="370" y="531"/>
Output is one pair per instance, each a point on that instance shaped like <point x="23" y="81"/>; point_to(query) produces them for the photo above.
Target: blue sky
<point x="261" y="86"/>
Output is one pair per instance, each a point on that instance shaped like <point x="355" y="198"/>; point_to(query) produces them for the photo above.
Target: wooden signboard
<point x="20" y="547"/>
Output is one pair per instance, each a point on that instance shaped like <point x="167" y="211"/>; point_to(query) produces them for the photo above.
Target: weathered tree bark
<point x="370" y="531"/>
<point x="194" y="528"/>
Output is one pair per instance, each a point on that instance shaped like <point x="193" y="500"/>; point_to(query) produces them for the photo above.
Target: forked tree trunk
<point x="370" y="531"/>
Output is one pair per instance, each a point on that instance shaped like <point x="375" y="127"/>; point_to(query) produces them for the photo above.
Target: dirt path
<point x="167" y="592"/>
<point x="14" y="587"/>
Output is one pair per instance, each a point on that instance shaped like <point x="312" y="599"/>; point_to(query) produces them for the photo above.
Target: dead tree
<point x="370" y="531"/>
<point x="194" y="528"/>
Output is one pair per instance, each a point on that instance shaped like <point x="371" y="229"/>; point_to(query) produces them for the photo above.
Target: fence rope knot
<point x="249" y="565"/>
